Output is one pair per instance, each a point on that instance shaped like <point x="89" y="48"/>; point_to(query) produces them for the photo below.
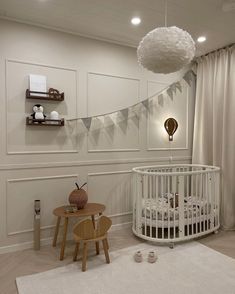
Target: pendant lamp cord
<point x="165" y="13"/>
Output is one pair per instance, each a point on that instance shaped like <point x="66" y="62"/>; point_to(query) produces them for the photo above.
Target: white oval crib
<point x="175" y="202"/>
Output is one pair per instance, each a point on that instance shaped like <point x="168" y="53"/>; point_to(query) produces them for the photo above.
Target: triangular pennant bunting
<point x="160" y="100"/>
<point x="108" y="121"/>
<point x="188" y="78"/>
<point x="173" y="87"/>
<point x="125" y="112"/>
<point x="178" y="86"/>
<point x="170" y="92"/>
<point x="136" y="110"/>
<point x="87" y="122"/>
<point x="146" y="103"/>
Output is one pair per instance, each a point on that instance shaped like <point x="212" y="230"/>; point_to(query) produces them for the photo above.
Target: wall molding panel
<point x="16" y="60"/>
<point x="169" y="148"/>
<point x="113" y="150"/>
<point x="31" y="200"/>
<point x="7" y="98"/>
<point x="109" y="173"/>
<point x="160" y="87"/>
<point x="92" y="162"/>
<point x="116" y="193"/>
<point x="118" y="90"/>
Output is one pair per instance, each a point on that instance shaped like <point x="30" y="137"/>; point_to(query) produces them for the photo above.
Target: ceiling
<point x="110" y="19"/>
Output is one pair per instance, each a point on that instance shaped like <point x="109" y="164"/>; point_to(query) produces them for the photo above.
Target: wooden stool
<point x="85" y="231"/>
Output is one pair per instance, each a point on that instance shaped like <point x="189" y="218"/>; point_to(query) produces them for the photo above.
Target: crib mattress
<point x="162" y="210"/>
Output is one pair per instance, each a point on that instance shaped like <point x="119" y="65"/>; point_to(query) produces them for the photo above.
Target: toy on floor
<point x="152" y="257"/>
<point x="138" y="257"/>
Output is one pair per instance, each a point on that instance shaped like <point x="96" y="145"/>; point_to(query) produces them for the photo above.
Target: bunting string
<point x="170" y="90"/>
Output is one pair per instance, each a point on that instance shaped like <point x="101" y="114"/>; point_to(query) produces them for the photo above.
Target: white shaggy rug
<point x="190" y="268"/>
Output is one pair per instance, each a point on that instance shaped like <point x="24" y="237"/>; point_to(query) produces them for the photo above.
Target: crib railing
<point x="175" y="202"/>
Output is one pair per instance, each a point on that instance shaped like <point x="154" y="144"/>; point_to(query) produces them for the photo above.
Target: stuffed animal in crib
<point x="38" y="112"/>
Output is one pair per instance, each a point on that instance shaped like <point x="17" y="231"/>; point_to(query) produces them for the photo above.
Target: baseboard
<point x="121" y="226"/>
<point x="23" y="246"/>
<point x="48" y="241"/>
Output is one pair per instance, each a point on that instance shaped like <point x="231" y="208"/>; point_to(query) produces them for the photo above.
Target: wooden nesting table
<point x="91" y="209"/>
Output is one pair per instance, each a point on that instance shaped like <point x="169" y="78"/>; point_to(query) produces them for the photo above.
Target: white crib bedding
<point x="193" y="207"/>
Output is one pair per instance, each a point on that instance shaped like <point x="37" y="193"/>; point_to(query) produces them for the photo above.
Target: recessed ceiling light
<point x="135" y="21"/>
<point x="201" y="39"/>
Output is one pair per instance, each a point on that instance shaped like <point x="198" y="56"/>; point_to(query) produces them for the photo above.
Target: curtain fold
<point x="214" y="123"/>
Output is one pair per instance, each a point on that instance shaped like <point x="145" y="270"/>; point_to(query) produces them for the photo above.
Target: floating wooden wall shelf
<point x="44" y="95"/>
<point x="47" y="122"/>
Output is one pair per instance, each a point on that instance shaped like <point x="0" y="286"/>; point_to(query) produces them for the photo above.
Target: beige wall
<point x="43" y="163"/>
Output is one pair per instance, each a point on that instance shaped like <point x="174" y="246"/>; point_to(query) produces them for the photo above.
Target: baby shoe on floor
<point x="138" y="257"/>
<point x="152" y="257"/>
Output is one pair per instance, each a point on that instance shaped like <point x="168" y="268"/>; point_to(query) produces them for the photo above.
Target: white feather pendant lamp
<point x="166" y="50"/>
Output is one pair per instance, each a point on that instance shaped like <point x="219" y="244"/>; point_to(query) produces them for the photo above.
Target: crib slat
<point x="187" y="205"/>
<point x="145" y="203"/>
<point x="151" y="199"/>
<point x="174" y="192"/>
<point x="201" y="202"/>
<point x="204" y="200"/>
<point x="181" y="206"/>
<point x="192" y="204"/>
<point x="134" y="193"/>
<point x="162" y="207"/>
<point x="211" y="193"/>
<point x="157" y="204"/>
<point x="139" y="202"/>
<point x="197" y="202"/>
<point x="218" y="198"/>
<point x="208" y="179"/>
<point x="168" y="206"/>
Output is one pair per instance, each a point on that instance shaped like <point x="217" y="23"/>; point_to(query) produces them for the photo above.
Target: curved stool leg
<point x="107" y="243"/>
<point x="76" y="251"/>
<point x="97" y="247"/>
<point x="106" y="252"/>
<point x="64" y="238"/>
<point x="84" y="257"/>
<point x="56" y="231"/>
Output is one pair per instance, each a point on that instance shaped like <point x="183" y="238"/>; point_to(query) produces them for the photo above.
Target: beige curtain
<point x="214" y="125"/>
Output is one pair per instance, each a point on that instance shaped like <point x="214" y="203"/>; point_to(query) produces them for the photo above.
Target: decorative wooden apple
<point x="78" y="197"/>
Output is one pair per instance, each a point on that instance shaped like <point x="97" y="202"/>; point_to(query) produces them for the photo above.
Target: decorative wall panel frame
<point x="186" y="147"/>
<point x="18" y="61"/>
<point x="9" y="181"/>
<point x="118" y="77"/>
<point x="22" y="166"/>
<point x="154" y="82"/>
<point x="111" y="173"/>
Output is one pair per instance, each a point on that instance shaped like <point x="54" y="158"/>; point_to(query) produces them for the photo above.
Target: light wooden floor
<point x="28" y="262"/>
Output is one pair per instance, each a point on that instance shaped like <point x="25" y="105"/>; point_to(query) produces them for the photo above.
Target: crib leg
<point x="171" y="245"/>
<point x="216" y="232"/>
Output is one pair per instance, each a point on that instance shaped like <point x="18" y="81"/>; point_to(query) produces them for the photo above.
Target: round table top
<point x="88" y="210"/>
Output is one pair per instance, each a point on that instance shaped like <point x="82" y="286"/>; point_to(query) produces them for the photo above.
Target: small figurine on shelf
<point x="53" y="93"/>
<point x="54" y="115"/>
<point x="38" y="113"/>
